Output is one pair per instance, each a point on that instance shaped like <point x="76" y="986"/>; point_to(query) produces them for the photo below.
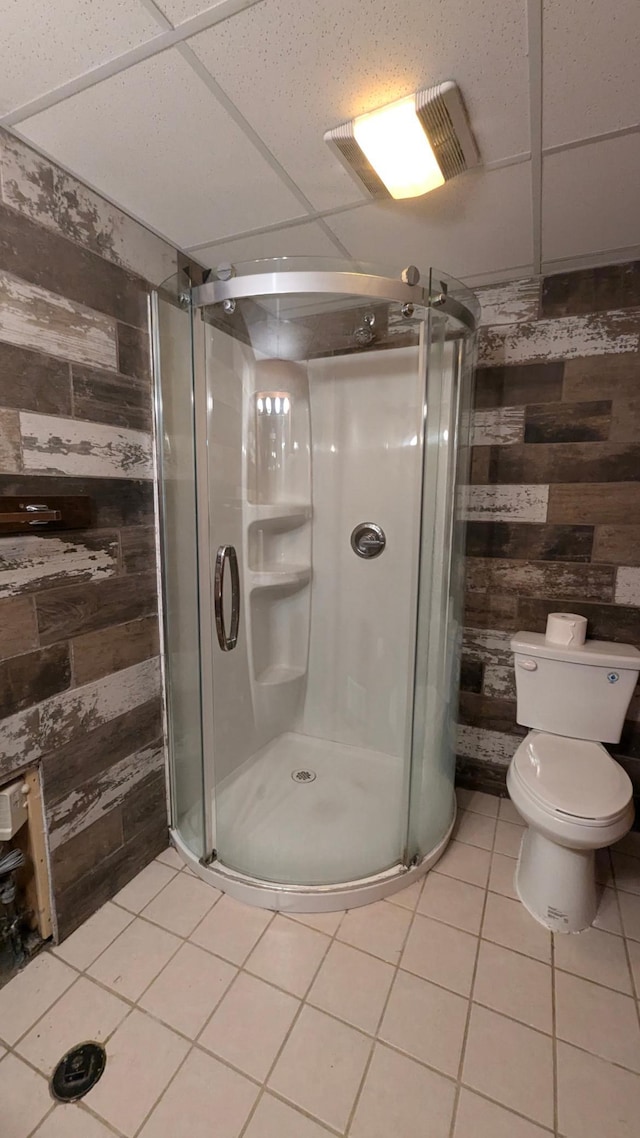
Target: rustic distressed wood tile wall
<point x="79" y="670"/>
<point x="554" y="505"/>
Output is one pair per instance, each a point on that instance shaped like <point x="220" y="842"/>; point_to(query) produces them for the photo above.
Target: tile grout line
<point x="44" y="1118"/>
<point x="225" y="960"/>
<point x="634" y="984"/>
<point x="465" y="1035"/>
<point x="191" y="1042"/>
<point x="374" y="1036"/>
<point x="376" y="1039"/>
<point x="302" y="1004"/>
<point x="554" y="1036"/>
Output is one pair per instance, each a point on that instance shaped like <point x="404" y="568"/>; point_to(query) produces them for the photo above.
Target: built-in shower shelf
<point x="278" y="516"/>
<point x="291" y="577"/>
<point x="271" y="677"/>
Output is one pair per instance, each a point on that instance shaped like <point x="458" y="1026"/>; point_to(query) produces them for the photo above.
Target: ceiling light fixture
<point x="410" y="146"/>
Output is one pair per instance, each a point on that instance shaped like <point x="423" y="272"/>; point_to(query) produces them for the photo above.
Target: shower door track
<point x="308" y="898"/>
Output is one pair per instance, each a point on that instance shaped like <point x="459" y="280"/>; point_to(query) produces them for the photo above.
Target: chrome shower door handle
<point x="226" y="553"/>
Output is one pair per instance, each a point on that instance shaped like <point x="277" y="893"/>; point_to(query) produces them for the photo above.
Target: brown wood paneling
<point x="98" y="796"/>
<point x="594" y="503"/>
<point x="619" y="545"/>
<point x="598" y="377"/>
<point x="606" y="622"/>
<point x="567" y="422"/>
<point x="492" y="714"/>
<point x="15" y="516"/>
<point x="77" y="609"/>
<point x="88" y="893"/>
<point x="32" y="677"/>
<point x="625" y="419"/>
<point x="30" y="381"/>
<point x="85" y="850"/>
<point x="471" y="675"/>
<point x="10" y="442"/>
<point x="599" y="289"/>
<point x="18" y="628"/>
<point x="36" y="318"/>
<point x="480" y="460"/>
<point x="478" y="774"/>
<point x="487" y="610"/>
<point x="118" y="501"/>
<point x="85" y="758"/>
<point x="569" y="337"/>
<point x="513" y="386"/>
<point x="133" y="352"/>
<point x="527" y="541"/>
<point x="146" y="802"/>
<point x="106" y="397"/>
<point x="559" y="579"/>
<point x="629" y="744"/>
<point x="45" y="259"/>
<point x="33" y="562"/>
<point x="565" y="462"/>
<point x="110" y="649"/>
<point x="138" y="547"/>
<point x="76" y="447"/>
<point x="632" y="767"/>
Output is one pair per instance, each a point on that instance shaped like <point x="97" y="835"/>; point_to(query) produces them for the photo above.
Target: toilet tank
<point x="582" y="692"/>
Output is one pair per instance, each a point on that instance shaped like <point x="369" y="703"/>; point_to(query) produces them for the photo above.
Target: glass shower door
<point x="176" y="457"/>
<point x="314" y="439"/>
<point x="439" y="626"/>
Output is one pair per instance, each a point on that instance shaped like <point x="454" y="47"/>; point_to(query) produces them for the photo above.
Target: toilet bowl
<point x="575" y="799"/>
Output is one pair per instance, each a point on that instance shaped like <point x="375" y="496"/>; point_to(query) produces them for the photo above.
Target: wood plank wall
<point x="554" y="506"/>
<point x="79" y="668"/>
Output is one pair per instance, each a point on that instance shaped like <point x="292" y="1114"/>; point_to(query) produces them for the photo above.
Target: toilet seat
<point x="572" y="779"/>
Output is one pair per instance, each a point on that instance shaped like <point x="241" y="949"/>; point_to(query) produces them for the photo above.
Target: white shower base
<point x="330" y="831"/>
<point x="334" y="828"/>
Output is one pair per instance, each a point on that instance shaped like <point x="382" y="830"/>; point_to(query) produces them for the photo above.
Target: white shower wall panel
<point x="366" y="417"/>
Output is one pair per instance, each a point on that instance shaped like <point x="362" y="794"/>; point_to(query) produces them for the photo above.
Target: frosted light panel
<point x="395" y="144"/>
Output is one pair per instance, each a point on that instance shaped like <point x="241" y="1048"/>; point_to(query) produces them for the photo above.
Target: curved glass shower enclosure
<point x="311" y="437"/>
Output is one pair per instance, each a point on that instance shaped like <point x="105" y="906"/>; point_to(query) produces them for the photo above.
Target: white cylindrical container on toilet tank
<point x="567" y="628"/>
<point x="581" y="691"/>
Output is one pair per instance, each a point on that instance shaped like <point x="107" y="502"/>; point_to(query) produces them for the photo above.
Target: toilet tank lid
<point x="602" y="653"/>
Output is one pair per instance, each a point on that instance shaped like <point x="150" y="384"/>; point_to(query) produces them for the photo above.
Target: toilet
<point x="572" y="795"/>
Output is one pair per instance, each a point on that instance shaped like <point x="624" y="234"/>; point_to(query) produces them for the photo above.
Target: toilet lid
<point x="573" y="776"/>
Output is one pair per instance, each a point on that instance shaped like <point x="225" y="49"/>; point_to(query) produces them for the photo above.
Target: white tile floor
<point x="444" y="1012"/>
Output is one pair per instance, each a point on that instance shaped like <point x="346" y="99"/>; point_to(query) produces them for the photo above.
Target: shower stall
<point x="312" y="450"/>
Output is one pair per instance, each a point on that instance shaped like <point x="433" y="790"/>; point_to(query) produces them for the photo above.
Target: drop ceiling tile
<point x="590" y="198"/>
<point x="295" y="69"/>
<point x="180" y="10"/>
<point x="591" y="74"/>
<point x="289" y="241"/>
<point x="44" y="45"/>
<point x="477" y="224"/>
<point x="155" y="140"/>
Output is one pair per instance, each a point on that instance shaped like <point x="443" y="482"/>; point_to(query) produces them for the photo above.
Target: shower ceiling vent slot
<point x="409" y="147"/>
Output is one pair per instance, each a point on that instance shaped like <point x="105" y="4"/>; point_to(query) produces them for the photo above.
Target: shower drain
<point x="303" y="776"/>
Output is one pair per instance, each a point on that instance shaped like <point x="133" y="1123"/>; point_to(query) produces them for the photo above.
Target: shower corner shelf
<point x="274" y="675"/>
<point x="289" y="577"/>
<point x="278" y="516"/>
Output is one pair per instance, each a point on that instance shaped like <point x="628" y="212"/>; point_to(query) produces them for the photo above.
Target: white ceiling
<point x="205" y="120"/>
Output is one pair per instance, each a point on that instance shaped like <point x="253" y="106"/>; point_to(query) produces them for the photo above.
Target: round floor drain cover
<point x="78" y="1071"/>
<point x="303" y="776"/>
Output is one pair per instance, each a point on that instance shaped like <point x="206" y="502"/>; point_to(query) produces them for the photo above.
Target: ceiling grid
<point x="211" y="117"/>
